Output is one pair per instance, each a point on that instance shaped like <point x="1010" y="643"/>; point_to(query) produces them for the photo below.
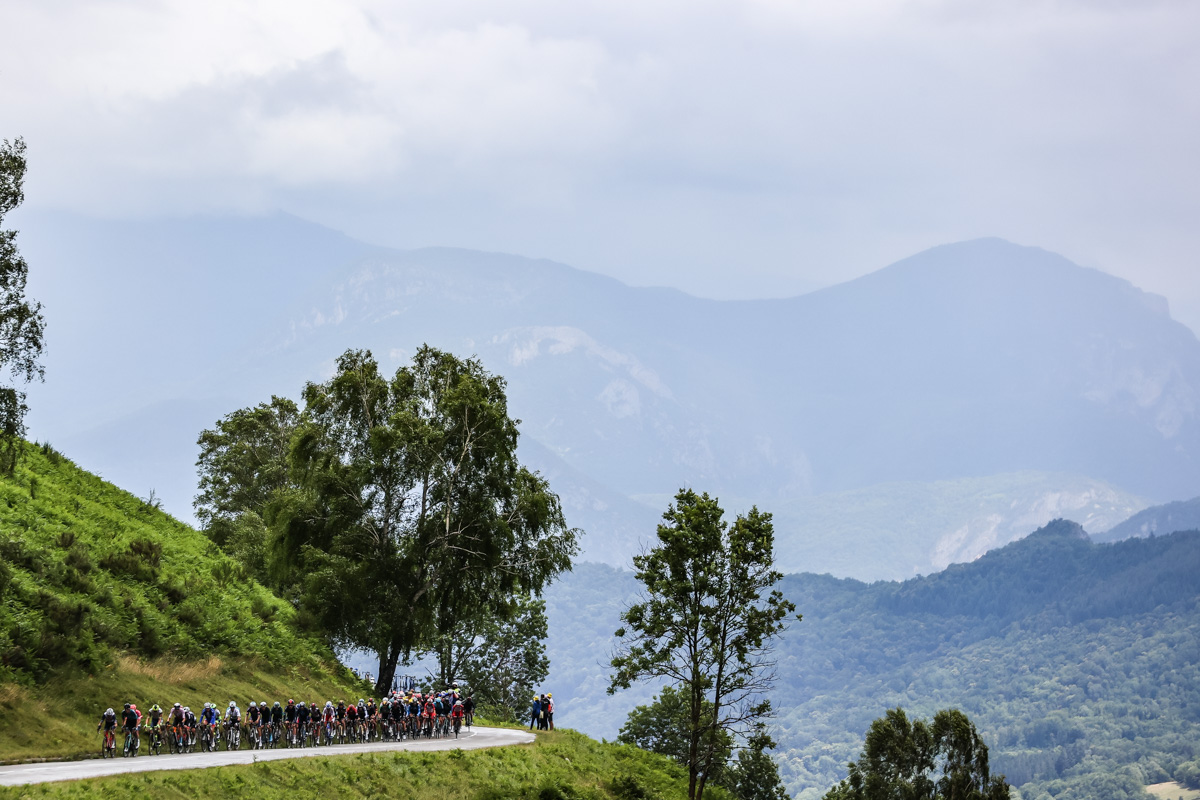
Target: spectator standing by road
<point x="536" y="720"/>
<point x="549" y="708"/>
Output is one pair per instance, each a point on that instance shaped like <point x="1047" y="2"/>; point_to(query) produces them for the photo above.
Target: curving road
<point x="24" y="774"/>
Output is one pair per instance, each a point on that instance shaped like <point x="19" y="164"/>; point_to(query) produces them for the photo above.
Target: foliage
<point x="21" y="324"/>
<point x="561" y="765"/>
<point x="411" y="486"/>
<point x="704" y="624"/>
<point x="755" y="775"/>
<point x="916" y="761"/>
<point x="243" y="466"/>
<point x="88" y="572"/>
<point x="662" y="727"/>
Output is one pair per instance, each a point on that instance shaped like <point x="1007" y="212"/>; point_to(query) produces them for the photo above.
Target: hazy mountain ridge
<point x="978" y="361"/>
<point x="1183" y="515"/>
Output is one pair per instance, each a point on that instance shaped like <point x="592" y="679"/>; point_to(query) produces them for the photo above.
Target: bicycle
<point x="132" y="743"/>
<point x="233" y="736"/>
<point x="155" y="740"/>
<point x="109" y="747"/>
<point x="457" y="725"/>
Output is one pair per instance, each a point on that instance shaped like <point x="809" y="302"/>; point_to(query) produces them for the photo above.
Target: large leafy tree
<point x="706" y="623"/>
<point x="412" y="513"/>
<point x="21" y="323"/>
<point x="915" y="760"/>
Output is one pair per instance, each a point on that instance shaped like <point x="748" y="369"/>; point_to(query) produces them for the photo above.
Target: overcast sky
<point x="731" y="149"/>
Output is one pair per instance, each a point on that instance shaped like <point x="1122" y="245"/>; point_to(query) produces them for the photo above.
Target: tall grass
<point x="561" y="765"/>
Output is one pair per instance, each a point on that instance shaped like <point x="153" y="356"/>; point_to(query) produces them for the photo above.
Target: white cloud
<point x="726" y="147"/>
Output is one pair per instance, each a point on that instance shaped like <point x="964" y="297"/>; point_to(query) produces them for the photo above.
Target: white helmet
<point x="109" y="713"/>
<point x="208" y="705"/>
<point x="329" y="704"/>
<point x="233" y="704"/>
<point x="251" y="704"/>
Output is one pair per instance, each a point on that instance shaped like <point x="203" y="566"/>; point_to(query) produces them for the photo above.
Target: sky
<point x="757" y="148"/>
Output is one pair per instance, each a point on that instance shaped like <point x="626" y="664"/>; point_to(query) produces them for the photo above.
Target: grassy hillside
<point x="560" y="765"/>
<point x="104" y="598"/>
<point x="1079" y="662"/>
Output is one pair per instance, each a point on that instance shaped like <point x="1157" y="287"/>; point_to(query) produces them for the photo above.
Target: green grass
<point x="561" y="764"/>
<point x="1173" y="791"/>
<point x="104" y="598"/>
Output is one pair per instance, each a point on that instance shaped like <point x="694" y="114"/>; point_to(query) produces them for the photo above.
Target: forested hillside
<point x="1080" y="662"/>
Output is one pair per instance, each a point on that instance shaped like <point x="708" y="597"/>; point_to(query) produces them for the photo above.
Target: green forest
<point x="1078" y="661"/>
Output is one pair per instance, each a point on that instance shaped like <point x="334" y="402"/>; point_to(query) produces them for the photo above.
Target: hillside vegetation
<point x="1079" y="662"/>
<point x="561" y="765"/>
<point x="104" y="598"/>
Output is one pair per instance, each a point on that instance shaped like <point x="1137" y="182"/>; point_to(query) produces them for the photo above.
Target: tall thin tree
<point x="21" y="324"/>
<point x="706" y="623"/>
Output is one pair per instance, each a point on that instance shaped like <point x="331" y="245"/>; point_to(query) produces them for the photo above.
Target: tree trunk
<point x="387" y="670"/>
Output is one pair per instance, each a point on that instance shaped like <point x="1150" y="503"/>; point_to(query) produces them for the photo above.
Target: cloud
<point x="726" y="147"/>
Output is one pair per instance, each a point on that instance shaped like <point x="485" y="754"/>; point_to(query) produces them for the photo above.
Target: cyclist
<point x="469" y="708"/>
<point x="384" y="711"/>
<point x="456" y="715"/>
<point x="130" y="720"/>
<point x="440" y="709"/>
<point x="254" y="723"/>
<point x="429" y="715"/>
<point x="276" y="720"/>
<point x="156" y="718"/>
<point x="373" y="719"/>
<point x="289" y="716"/>
<point x="233" y="716"/>
<point x="301" y="727"/>
<point x="108" y="721"/>
<point x="341" y="717"/>
<point x="177" y="719"/>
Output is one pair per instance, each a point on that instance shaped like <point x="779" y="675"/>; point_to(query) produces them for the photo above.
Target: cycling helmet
<point x="251" y="704"/>
<point x="329" y="704"/>
<point x="177" y="706"/>
<point x="277" y="703"/>
<point x="208" y="705"/>
<point x="109" y="713"/>
<point x="302" y="704"/>
<point x="233" y="704"/>
<point x="291" y="702"/>
<point x="156" y="708"/>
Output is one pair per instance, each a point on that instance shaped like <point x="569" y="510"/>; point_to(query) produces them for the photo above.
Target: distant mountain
<point x="1183" y="515"/>
<point x="855" y="413"/>
<point x="1078" y="661"/>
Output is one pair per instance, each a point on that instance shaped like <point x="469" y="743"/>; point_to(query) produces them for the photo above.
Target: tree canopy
<point x="912" y="760"/>
<point x="394" y="509"/>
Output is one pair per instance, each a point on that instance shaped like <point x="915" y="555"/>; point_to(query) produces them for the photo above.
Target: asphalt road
<point x="24" y="774"/>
